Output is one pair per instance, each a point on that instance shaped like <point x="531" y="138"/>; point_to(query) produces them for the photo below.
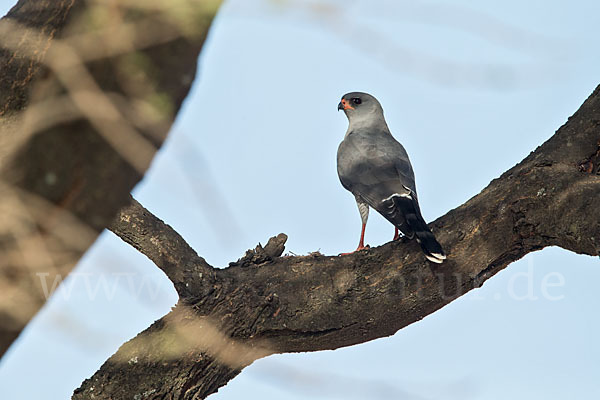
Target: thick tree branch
<point x="189" y="272"/>
<point x="88" y="92"/>
<point x="289" y="304"/>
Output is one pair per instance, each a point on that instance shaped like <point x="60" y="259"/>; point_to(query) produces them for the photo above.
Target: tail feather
<point x="431" y="247"/>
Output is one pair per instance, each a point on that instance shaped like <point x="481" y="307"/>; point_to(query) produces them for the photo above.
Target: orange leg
<point x="361" y="244"/>
<point x="396" y="234"/>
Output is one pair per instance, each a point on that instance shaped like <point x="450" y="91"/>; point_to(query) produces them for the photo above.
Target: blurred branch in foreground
<point x="207" y="191"/>
<point x="362" y="25"/>
<point x="88" y="92"/>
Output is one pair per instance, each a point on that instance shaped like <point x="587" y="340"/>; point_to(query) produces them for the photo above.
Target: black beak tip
<point x="340" y="106"/>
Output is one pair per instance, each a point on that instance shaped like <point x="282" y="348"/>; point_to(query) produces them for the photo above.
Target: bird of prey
<point x="375" y="168"/>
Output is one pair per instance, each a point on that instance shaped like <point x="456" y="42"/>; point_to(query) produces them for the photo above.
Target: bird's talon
<point x="359" y="248"/>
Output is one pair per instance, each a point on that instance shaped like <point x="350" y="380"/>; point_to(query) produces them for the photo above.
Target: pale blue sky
<point x="469" y="88"/>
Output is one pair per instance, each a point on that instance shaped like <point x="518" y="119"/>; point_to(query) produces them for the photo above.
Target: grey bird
<point x="375" y="168"/>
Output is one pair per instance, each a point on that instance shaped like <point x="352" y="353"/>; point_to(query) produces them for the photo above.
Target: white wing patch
<point x="407" y="195"/>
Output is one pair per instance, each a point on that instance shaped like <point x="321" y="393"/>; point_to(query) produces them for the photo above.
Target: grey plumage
<point x="376" y="169"/>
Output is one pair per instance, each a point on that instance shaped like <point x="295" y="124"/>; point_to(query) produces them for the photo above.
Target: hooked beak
<point x="344" y="105"/>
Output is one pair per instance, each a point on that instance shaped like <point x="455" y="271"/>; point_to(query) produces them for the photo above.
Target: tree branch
<point x="166" y="248"/>
<point x="264" y="305"/>
<point x="88" y="92"/>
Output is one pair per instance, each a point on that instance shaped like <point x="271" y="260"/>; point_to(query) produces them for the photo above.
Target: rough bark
<point x="88" y="92"/>
<point x="265" y="304"/>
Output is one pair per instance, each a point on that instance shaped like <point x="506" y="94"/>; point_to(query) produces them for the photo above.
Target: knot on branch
<point x="591" y="165"/>
<point x="260" y="255"/>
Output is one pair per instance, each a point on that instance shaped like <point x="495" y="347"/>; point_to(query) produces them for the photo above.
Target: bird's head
<point x="359" y="105"/>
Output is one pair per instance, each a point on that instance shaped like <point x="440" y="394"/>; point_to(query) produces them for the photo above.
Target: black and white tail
<point x="412" y="214"/>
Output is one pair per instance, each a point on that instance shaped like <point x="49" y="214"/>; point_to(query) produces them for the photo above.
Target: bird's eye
<point x="356" y="100"/>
